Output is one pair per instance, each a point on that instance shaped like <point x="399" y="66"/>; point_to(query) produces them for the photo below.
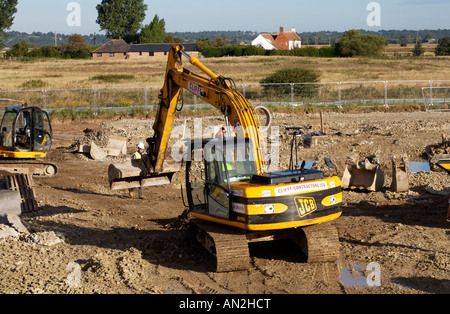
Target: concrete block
<point x="7" y="231"/>
<point x="16" y="223"/>
<point x="9" y="202"/>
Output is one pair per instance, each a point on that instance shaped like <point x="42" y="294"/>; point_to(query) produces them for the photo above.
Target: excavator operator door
<point x="224" y="163"/>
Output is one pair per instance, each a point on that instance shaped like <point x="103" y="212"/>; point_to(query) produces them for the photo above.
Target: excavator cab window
<point x="195" y="171"/>
<point x="22" y="129"/>
<point x="227" y="162"/>
<point x="7" y="130"/>
<point x="42" y="131"/>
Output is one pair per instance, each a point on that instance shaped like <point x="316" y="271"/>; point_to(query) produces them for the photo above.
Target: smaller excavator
<point x="25" y="139"/>
<point x="232" y="199"/>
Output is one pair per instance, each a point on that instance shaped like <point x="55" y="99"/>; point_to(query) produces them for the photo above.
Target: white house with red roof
<point x="278" y="41"/>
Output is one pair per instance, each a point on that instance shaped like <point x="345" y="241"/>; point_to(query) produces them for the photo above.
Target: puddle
<point x="418" y="166"/>
<point x="175" y="290"/>
<point x="348" y="280"/>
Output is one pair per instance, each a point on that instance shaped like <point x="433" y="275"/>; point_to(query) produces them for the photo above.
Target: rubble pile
<point x="16" y="229"/>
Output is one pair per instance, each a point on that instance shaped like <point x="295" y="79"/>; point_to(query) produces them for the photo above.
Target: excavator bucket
<point x="400" y="175"/>
<point x="135" y="174"/>
<point x="364" y="176"/>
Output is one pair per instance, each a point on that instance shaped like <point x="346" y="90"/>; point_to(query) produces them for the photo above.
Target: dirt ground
<point x="111" y="244"/>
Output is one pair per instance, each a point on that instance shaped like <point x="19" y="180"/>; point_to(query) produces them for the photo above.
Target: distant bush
<point x="33" y="84"/>
<point x="232" y="51"/>
<point x="292" y="75"/>
<point x="239" y="51"/>
<point x="443" y="48"/>
<point x="112" y="78"/>
<point x="45" y="52"/>
<point x="328" y="52"/>
<point x="354" y="44"/>
<point x="74" y="48"/>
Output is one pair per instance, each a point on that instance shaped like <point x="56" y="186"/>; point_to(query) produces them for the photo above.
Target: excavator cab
<point x="209" y="180"/>
<point x="25" y="133"/>
<point x="25" y="136"/>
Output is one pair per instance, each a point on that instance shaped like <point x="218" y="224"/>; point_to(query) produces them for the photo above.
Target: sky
<point x="244" y="15"/>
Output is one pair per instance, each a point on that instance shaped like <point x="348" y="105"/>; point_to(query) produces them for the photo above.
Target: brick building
<point x="284" y="40"/>
<point x="118" y="49"/>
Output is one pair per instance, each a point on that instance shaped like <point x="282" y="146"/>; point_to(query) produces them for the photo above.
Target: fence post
<point x="146" y="97"/>
<point x="292" y="93"/>
<point x="95" y="99"/>
<point x="339" y="93"/>
<point x="385" y="93"/>
<point x="243" y="89"/>
<point x="44" y="99"/>
<point x="431" y="93"/>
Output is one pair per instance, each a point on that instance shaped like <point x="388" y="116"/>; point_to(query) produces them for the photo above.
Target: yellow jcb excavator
<point x="232" y="199"/>
<point x="25" y="139"/>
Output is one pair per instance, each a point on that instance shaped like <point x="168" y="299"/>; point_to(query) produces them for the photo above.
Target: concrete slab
<point x="9" y="202"/>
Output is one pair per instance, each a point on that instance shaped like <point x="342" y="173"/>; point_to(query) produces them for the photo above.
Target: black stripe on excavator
<point x="290" y="215"/>
<point x="287" y="200"/>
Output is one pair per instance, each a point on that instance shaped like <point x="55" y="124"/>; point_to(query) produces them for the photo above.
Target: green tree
<point x="353" y="44"/>
<point x="202" y="44"/>
<point x="121" y="19"/>
<point x="76" y="47"/>
<point x="7" y="11"/>
<point x="20" y="49"/>
<point x="171" y="39"/>
<point x="443" y="48"/>
<point x="219" y="42"/>
<point x="418" y="49"/>
<point x="155" y="32"/>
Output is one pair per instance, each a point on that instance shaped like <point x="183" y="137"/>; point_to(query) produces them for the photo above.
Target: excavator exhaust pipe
<point x="364" y="176"/>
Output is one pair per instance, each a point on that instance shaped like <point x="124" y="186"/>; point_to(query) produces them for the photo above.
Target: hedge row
<point x="239" y="51"/>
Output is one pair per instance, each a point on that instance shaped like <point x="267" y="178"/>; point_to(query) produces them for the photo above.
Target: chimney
<point x="281" y="29"/>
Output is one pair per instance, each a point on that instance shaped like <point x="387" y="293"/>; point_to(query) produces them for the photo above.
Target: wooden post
<point x="322" y="126"/>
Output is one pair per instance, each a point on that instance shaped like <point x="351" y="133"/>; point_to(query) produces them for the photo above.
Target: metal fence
<point x="425" y="93"/>
<point x="436" y="98"/>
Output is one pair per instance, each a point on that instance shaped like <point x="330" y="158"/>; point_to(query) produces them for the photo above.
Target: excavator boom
<point x="218" y="91"/>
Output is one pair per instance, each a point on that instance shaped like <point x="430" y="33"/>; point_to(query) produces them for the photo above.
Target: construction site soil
<point x="111" y="244"/>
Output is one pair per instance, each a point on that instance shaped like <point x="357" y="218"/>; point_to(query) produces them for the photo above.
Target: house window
<point x="111" y="54"/>
<point x="140" y="53"/>
<point x="151" y="54"/>
<point x="99" y="55"/>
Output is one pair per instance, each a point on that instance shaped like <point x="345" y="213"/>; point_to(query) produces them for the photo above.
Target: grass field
<point x="60" y="74"/>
